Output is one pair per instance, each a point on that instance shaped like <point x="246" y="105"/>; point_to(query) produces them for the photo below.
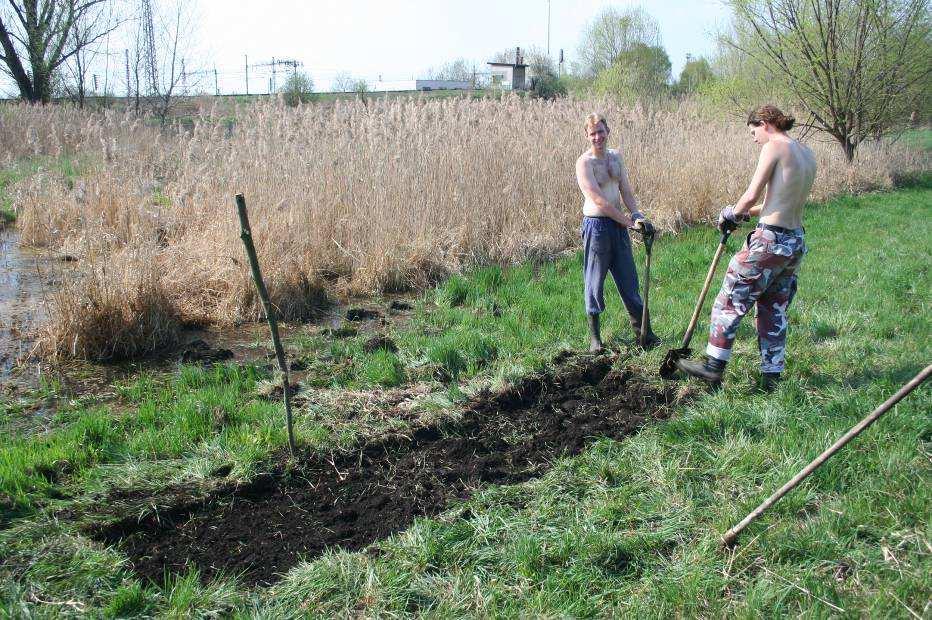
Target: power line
<point x="148" y="34"/>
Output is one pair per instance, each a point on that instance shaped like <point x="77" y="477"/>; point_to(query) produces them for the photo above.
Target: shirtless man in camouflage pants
<point x="764" y="271"/>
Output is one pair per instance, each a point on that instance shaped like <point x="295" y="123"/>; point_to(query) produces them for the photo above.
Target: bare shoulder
<point x="806" y="149"/>
<point x="584" y="165"/>
<point x="773" y="151"/>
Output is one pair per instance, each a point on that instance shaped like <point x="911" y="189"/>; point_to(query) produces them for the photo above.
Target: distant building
<point x="400" y="85"/>
<point x="443" y="84"/>
<point x="510" y="75"/>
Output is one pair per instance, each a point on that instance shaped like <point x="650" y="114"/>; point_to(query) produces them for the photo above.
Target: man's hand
<point x="728" y="220"/>
<point x="642" y="224"/>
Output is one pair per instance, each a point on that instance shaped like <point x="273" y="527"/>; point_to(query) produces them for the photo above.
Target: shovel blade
<point x="668" y="365"/>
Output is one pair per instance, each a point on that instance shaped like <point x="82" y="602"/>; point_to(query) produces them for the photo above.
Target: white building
<point x="508" y="76"/>
<point x="402" y="85"/>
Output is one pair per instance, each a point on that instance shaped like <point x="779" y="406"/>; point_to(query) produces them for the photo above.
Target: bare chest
<point x="606" y="170"/>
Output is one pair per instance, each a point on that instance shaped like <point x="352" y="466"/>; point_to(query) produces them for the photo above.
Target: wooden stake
<point x="246" y="236"/>
<point x="728" y="540"/>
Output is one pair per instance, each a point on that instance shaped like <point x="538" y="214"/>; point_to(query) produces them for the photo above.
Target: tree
<point x="459" y="69"/>
<point x="695" y="74"/>
<point x="856" y="66"/>
<point x="361" y="87"/>
<point x="545" y="83"/>
<point x="639" y="72"/>
<point x="613" y="32"/>
<point x="38" y="37"/>
<point x="86" y="37"/>
<point x="342" y="82"/>
<point x="298" y="89"/>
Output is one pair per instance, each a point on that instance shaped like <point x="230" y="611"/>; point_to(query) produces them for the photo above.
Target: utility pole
<point x="216" y="83"/>
<point x="273" y="81"/>
<point x="95" y="83"/>
<point x="561" y="63"/>
<point x="128" y="83"/>
<point x="148" y="33"/>
<point x="247" y="74"/>
<point x="548" y="29"/>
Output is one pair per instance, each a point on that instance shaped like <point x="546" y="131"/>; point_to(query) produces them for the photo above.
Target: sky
<point x="401" y="39"/>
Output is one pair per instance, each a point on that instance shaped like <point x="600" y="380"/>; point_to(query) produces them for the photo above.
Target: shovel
<point x="648" y="243"/>
<point x="668" y="366"/>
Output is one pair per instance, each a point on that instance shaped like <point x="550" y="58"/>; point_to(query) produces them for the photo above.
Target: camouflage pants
<point x="763" y="272"/>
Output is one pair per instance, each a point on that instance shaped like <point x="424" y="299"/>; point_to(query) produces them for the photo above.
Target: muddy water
<point x="27" y="281"/>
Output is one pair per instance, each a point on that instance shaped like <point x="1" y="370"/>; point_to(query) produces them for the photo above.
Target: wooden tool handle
<point x="705" y="290"/>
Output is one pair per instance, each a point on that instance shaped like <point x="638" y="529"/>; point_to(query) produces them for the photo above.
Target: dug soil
<point x="350" y="500"/>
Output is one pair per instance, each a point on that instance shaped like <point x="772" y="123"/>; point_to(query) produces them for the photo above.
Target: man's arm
<point x="627" y="194"/>
<point x="590" y="188"/>
<point x="640" y="223"/>
<point x="765" y="165"/>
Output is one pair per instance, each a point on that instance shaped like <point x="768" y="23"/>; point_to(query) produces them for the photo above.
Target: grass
<point x="627" y="528"/>
<point x="450" y="184"/>
<point x="919" y="138"/>
<point x="69" y="169"/>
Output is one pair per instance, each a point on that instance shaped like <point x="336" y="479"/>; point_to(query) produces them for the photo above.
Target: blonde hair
<point x="594" y="119"/>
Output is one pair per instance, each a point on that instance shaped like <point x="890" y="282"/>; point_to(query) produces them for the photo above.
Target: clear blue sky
<point x="400" y="39"/>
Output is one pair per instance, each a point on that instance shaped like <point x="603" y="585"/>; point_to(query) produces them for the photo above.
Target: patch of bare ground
<point x="349" y="500"/>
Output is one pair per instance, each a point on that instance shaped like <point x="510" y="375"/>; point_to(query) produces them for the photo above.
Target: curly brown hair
<point x="771" y="114"/>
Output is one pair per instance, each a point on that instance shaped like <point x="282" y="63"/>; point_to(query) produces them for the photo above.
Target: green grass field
<point x="627" y="528"/>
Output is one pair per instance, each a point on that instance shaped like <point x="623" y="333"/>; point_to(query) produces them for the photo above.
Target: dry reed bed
<point x="357" y="197"/>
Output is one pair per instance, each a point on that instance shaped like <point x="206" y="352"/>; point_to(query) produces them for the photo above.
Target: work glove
<point x="728" y="220"/>
<point x="642" y="224"/>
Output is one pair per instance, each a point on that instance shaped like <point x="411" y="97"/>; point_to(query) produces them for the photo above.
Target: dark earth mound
<point x="200" y="352"/>
<point x="350" y="500"/>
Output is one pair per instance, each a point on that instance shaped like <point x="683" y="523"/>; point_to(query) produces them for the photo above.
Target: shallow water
<point x="27" y="280"/>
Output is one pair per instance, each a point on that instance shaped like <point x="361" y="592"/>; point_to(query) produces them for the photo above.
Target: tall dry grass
<point x="354" y="198"/>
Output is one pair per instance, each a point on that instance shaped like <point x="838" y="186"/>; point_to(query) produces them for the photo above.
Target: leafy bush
<point x="298" y="89"/>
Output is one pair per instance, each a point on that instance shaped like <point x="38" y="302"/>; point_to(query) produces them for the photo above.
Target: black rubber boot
<point x="595" y="338"/>
<point x="652" y="340"/>
<point x="710" y="370"/>
<point x="769" y="381"/>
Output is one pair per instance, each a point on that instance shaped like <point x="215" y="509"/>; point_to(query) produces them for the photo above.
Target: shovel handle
<point x="643" y="335"/>
<point x="648" y="240"/>
<point x="705" y="290"/>
<point x="731" y="535"/>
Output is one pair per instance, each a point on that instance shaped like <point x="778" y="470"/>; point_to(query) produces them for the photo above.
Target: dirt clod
<point x="362" y="314"/>
<point x="379" y="341"/>
<point x="200" y="352"/>
<point x="341" y="332"/>
<point x="353" y="499"/>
